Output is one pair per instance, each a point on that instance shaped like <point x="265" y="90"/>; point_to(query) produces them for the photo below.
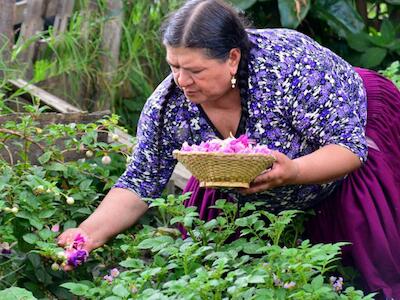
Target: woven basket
<point x="214" y="169"/>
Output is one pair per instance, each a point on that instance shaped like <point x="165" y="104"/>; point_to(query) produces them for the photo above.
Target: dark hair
<point x="214" y="26"/>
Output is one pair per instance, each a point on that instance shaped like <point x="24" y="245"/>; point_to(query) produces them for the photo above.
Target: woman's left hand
<point x="283" y="172"/>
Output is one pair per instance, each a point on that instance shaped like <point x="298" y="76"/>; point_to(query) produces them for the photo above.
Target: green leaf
<point x="45" y="234"/>
<point x="256" y="279"/>
<point x="252" y="248"/>
<point x="45" y="157"/>
<point x="358" y="41"/>
<point x="41" y="68"/>
<point x="76" y="288"/>
<point x="289" y="16"/>
<point x="317" y="282"/>
<point x="45" y="214"/>
<point x="35" y="222"/>
<point x="84" y="211"/>
<point x="373" y="57"/>
<point x="84" y="185"/>
<point x="156" y="243"/>
<point x="69" y="224"/>
<point x="56" y="167"/>
<point x="388" y="31"/>
<point x="30" y="238"/>
<point x="243" y="4"/>
<point x="121" y="291"/>
<point x="133" y="263"/>
<point x="340" y="15"/>
<point x="16" y="293"/>
<point x="395" y="2"/>
<point x="113" y="298"/>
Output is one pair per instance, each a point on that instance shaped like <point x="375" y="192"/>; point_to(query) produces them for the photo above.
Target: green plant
<point x="366" y="33"/>
<point x="37" y="200"/>
<point x="142" y="56"/>
<point x="69" y="63"/>
<point x="393" y="73"/>
<point x="258" y="265"/>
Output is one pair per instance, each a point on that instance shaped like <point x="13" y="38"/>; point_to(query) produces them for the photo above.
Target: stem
<point x="362" y="10"/>
<point x="13" y="132"/>
<point x="191" y="234"/>
<point x="9" y="154"/>
<point x="255" y="233"/>
<point x="185" y="267"/>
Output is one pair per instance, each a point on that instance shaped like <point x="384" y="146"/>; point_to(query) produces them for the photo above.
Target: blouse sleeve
<point x="327" y="103"/>
<point x="152" y="162"/>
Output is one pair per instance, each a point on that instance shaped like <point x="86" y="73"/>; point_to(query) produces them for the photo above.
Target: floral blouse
<point x="301" y="97"/>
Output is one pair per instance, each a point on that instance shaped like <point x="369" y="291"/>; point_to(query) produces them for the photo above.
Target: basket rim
<point x="188" y="153"/>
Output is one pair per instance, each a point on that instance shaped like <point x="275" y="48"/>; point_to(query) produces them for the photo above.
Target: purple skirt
<point x="365" y="210"/>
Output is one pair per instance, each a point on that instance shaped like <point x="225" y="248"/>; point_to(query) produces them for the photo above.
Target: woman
<point x="286" y="91"/>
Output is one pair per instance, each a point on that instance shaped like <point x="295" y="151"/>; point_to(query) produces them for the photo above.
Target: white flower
<point x="70" y="200"/>
<point x="89" y="154"/>
<point x="106" y="160"/>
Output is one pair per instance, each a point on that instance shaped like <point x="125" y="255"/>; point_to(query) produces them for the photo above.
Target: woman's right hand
<point x="67" y="238"/>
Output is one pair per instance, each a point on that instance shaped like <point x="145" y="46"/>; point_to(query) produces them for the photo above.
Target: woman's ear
<point x="234" y="59"/>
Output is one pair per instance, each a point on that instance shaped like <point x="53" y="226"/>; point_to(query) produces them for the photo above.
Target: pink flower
<point x="337" y="283"/>
<point x="289" y="285"/>
<point x="114" y="272"/>
<point x="108" y="278"/>
<point x="79" y="241"/>
<point x="75" y="253"/>
<point x="230" y="145"/>
<point x="55" y="228"/>
<point x="277" y="281"/>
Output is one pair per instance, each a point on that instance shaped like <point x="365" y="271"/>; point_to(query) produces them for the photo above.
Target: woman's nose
<point x="184" y="79"/>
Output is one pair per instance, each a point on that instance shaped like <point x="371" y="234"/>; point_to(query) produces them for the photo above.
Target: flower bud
<point x="14" y="210"/>
<point x="39" y="190"/>
<point x="115" y="137"/>
<point x="55" y="266"/>
<point x="70" y="200"/>
<point x="106" y="160"/>
<point x="61" y="255"/>
<point x="89" y="154"/>
<point x="134" y="289"/>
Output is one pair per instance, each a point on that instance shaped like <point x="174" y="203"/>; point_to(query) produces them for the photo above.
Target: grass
<point x="69" y="64"/>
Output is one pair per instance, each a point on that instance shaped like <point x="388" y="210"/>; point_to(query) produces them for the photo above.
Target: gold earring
<point x="233" y="81"/>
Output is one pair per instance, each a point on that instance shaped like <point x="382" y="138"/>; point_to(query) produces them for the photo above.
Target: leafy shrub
<point x="265" y="262"/>
<point x="365" y="33"/>
<point x="244" y="253"/>
<point x="39" y="200"/>
<point x="393" y="73"/>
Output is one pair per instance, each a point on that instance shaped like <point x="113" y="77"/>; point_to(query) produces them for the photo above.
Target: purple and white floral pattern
<point x="301" y="97"/>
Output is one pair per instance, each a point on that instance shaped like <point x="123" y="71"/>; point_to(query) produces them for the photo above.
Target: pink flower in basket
<point x="225" y="163"/>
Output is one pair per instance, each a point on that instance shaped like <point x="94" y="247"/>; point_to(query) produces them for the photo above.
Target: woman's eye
<point x="197" y="71"/>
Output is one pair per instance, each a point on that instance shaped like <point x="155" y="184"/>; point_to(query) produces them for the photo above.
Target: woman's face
<point x="200" y="77"/>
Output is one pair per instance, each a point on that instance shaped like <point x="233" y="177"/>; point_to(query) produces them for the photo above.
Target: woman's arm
<point x="326" y="164"/>
<point x="119" y="210"/>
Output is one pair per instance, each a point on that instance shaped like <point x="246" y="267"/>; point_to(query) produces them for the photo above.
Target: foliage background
<point x="365" y="33"/>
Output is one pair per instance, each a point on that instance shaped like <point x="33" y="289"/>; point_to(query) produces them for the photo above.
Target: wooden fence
<point x="30" y="16"/>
